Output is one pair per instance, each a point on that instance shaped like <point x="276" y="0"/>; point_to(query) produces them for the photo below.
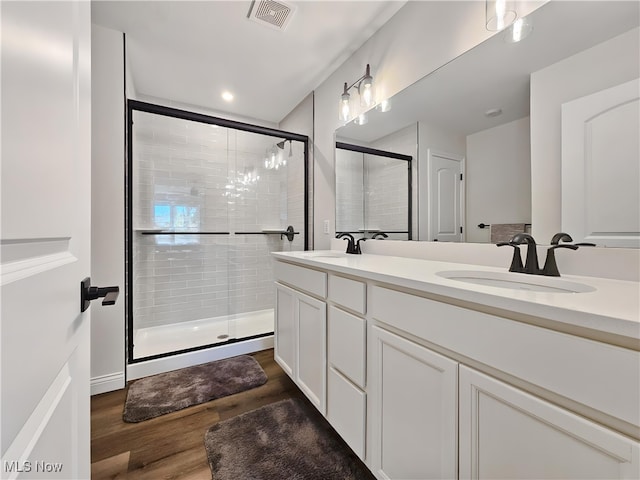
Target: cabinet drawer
<point x="349" y="293"/>
<point x="311" y="281"/>
<point x="601" y="376"/>
<point x="346" y="411"/>
<point x="347" y="345"/>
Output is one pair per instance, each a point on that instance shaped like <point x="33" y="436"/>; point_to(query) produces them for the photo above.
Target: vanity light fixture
<point x="364" y="86"/>
<point x="500" y="14"/>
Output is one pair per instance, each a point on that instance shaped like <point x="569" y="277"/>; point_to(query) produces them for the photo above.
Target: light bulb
<point x="345" y="110"/>
<point x="367" y="95"/>
<point x="500" y="14"/>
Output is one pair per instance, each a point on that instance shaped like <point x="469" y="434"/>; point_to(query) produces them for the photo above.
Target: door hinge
<point x="461" y="229"/>
<point x="460" y="176"/>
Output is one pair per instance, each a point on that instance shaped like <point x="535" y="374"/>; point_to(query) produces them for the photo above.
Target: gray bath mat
<point x="168" y="392"/>
<point x="284" y="440"/>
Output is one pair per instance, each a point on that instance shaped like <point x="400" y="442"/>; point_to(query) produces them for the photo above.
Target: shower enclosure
<point x="208" y="200"/>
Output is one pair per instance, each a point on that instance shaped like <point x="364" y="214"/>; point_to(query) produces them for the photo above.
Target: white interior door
<point x="45" y="195"/>
<point x="445" y="197"/>
<point x="601" y="167"/>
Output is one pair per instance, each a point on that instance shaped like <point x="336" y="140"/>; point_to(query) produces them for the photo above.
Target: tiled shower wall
<point x="349" y="191"/>
<point x="387" y="190"/>
<point x="189" y="176"/>
<point x="371" y="192"/>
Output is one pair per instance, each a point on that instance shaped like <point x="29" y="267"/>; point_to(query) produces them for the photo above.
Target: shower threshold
<point x="174" y="337"/>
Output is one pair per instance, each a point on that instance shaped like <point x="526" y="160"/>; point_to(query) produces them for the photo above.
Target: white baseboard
<point x="173" y="362"/>
<point x="107" y="383"/>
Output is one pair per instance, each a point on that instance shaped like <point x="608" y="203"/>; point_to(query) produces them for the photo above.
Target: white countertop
<point x="612" y="308"/>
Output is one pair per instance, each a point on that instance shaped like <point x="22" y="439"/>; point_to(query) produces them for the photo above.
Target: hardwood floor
<point x="171" y="446"/>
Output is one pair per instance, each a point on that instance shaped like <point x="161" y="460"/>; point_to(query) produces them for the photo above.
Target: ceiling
<point x="500" y="71"/>
<point x="192" y="51"/>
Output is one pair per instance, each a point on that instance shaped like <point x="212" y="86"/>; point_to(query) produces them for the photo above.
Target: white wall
<point x="300" y="120"/>
<point x="420" y="38"/>
<point x="605" y="65"/>
<point x="498" y="181"/>
<point x="107" y="207"/>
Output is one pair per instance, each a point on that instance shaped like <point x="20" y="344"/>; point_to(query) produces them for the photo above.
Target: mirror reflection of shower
<point x="373" y="192"/>
<point x="274" y="157"/>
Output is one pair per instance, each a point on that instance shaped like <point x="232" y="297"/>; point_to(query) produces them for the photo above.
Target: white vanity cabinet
<point x="415" y="411"/>
<point x="504" y="432"/>
<point x="423" y="385"/>
<point x="300" y="329"/>
<point x="508" y="433"/>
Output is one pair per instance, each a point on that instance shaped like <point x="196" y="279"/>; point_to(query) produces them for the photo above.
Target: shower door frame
<point x="136" y="105"/>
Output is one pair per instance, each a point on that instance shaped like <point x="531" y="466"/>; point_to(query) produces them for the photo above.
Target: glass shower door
<point x="180" y="230"/>
<point x="269" y="183"/>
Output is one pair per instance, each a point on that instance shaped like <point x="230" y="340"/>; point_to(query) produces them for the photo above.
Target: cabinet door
<point x="414" y="410"/>
<point x="507" y="433"/>
<point x="284" y="338"/>
<point x="311" y="369"/>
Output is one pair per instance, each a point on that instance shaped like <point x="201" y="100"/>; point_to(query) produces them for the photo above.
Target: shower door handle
<point x="88" y="293"/>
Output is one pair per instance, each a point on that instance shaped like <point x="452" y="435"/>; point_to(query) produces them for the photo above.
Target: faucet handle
<point x="550" y="266"/>
<point x="516" y="260"/>
<point x="357" y="249"/>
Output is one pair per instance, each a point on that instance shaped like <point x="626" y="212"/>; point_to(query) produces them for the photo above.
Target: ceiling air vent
<point x="271" y="14"/>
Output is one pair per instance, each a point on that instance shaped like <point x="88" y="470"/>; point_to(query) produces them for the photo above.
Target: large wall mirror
<point x="479" y="110"/>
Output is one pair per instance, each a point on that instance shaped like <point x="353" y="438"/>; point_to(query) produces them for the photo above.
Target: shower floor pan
<point x="181" y="336"/>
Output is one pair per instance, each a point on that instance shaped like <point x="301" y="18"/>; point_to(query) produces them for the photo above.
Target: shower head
<point x="280" y="145"/>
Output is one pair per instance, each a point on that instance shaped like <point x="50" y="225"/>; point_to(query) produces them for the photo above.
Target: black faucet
<point x="531" y="263"/>
<point x="351" y="245"/>
<point x="379" y="234"/>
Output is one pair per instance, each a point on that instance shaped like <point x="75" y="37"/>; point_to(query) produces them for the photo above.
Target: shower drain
<point x="223" y="336"/>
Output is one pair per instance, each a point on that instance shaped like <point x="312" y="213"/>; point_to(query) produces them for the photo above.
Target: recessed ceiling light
<point x="227" y="96"/>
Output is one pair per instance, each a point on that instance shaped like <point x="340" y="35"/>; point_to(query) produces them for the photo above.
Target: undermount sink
<point x="517" y="281"/>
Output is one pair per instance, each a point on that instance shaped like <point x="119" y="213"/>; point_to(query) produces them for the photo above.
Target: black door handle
<point x="88" y="293"/>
